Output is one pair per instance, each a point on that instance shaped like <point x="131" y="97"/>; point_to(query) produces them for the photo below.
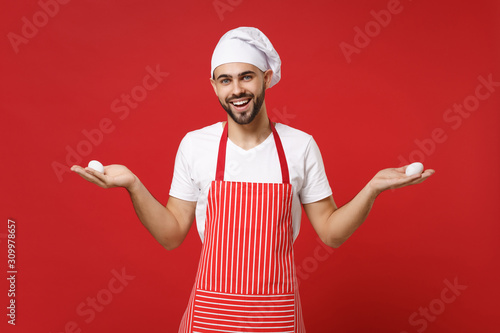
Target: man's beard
<point x="248" y="116"/>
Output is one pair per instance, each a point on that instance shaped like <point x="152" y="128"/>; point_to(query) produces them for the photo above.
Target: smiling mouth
<point x="241" y="103"/>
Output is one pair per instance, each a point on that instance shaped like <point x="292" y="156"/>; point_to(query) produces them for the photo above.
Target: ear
<point x="212" y="81"/>
<point x="268" y="75"/>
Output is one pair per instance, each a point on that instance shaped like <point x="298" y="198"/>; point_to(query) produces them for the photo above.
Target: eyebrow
<point x="240" y="74"/>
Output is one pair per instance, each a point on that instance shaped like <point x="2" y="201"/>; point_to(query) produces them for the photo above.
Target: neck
<point x="250" y="135"/>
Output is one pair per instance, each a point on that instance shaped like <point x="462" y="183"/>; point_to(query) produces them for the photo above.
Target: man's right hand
<point x="114" y="175"/>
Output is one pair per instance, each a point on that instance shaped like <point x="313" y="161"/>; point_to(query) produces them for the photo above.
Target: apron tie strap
<point x="281" y="155"/>
<point x="221" y="158"/>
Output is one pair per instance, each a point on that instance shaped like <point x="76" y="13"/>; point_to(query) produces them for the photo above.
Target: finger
<point x="402" y="169"/>
<point x="93" y="179"/>
<point x="88" y="176"/>
<point x="405" y="180"/>
<point x="426" y="174"/>
<point x="76" y="168"/>
<point x="412" y="177"/>
<point x="79" y="170"/>
<point x="95" y="173"/>
<point x="82" y="171"/>
<point x="99" y="176"/>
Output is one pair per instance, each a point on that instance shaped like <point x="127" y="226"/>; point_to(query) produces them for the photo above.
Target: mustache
<point x="233" y="97"/>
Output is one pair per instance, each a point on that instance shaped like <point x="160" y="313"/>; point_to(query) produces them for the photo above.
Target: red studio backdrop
<point x="378" y="84"/>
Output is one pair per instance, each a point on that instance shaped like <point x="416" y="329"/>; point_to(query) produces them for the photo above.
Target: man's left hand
<point x="393" y="178"/>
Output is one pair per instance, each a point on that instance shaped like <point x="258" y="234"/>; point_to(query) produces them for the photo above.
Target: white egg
<point x="414" y="168"/>
<point x="96" y="165"/>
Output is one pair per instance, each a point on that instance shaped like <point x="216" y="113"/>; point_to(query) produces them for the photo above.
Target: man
<point x="245" y="181"/>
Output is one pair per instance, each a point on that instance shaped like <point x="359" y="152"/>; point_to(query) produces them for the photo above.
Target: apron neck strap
<point x="221" y="158"/>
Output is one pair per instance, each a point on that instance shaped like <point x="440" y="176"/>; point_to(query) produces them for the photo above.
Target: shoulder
<point x="293" y="136"/>
<point x="300" y="147"/>
<point x="202" y="137"/>
<point x="207" y="132"/>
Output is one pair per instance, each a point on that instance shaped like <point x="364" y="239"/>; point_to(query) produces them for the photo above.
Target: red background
<point x="364" y="114"/>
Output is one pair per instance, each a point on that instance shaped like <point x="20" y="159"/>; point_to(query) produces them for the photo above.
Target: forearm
<point x="334" y="226"/>
<point x="157" y="219"/>
<point x="344" y="221"/>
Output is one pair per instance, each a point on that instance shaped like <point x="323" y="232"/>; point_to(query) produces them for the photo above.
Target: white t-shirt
<point x="196" y="162"/>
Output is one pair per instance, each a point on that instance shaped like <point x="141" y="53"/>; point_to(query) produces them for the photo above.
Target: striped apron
<point x="246" y="278"/>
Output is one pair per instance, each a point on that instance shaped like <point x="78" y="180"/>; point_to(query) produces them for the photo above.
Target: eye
<point x="247" y="77"/>
<point x="224" y="81"/>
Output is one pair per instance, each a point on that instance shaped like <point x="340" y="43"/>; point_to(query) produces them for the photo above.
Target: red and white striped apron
<point x="246" y="278"/>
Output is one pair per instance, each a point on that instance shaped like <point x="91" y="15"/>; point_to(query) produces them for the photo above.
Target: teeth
<point x="240" y="103"/>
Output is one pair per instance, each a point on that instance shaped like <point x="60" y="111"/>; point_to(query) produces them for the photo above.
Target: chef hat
<point x="248" y="45"/>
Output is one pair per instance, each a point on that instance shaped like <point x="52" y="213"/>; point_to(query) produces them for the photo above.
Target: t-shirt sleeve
<point x="315" y="186"/>
<point x="183" y="186"/>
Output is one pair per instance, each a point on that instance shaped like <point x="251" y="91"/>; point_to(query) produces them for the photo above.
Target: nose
<point x="238" y="88"/>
